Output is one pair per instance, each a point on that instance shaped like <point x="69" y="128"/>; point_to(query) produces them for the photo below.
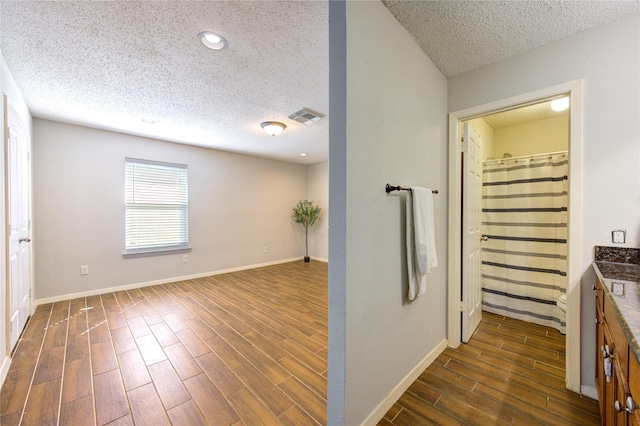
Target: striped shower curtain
<point x="524" y="258"/>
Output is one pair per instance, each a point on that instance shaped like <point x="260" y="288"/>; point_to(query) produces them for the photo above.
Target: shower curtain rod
<point x="522" y="157"/>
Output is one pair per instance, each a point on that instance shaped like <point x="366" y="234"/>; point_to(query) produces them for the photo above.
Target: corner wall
<point x="238" y="205"/>
<point x="395" y="133"/>
<point x="607" y="57"/>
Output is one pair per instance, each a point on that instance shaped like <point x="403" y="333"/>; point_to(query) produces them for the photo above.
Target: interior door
<point x="17" y="155"/>
<point x="471" y="306"/>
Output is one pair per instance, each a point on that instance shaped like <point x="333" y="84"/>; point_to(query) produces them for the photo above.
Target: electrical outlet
<point x="185" y="259"/>
<point x="619" y="236"/>
<point x="84" y="270"/>
<point x="617" y="288"/>
<point x="264" y="250"/>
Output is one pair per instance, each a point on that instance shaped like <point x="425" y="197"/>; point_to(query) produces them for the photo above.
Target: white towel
<point x="421" y="244"/>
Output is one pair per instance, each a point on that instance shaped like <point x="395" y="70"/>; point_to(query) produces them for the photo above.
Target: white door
<point x="471" y="233"/>
<point x="17" y="151"/>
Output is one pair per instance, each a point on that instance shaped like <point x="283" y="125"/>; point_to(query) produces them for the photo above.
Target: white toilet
<point x="562" y="303"/>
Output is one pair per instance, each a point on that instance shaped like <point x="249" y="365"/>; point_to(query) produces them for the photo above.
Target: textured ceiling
<point x="525" y="114"/>
<point x="112" y="64"/>
<point x="460" y="36"/>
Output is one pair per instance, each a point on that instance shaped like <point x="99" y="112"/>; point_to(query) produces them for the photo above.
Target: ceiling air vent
<point x="305" y="116"/>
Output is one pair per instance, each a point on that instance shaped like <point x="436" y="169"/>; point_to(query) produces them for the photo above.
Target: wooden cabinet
<point x="617" y="372"/>
<point x="634" y="389"/>
<point x="601" y="380"/>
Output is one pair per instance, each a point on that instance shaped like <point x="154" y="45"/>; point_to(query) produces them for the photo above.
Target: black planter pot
<point x="307" y="259"/>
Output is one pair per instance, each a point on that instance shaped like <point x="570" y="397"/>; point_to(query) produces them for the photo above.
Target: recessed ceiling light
<point x="148" y="120"/>
<point x="560" y="104"/>
<point x="303" y="154"/>
<point x="212" y="40"/>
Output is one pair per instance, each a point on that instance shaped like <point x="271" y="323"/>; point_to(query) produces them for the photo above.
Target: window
<point x="156" y="206"/>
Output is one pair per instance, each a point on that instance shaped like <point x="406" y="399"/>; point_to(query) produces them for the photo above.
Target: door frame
<point x="575" y="91"/>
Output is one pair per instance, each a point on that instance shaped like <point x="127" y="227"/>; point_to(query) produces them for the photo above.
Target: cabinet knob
<point x="618" y="406"/>
<point x="599" y="322"/>
<point x="594" y="287"/>
<point x="631" y="405"/>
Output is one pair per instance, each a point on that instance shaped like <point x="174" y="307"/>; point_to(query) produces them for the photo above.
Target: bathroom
<point x="524" y="212"/>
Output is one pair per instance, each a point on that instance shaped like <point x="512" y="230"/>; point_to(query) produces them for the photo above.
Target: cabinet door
<point x="634" y="388"/>
<point x="609" y="388"/>
<point x="600" y="377"/>
<point x="620" y="347"/>
<point x="620" y="397"/>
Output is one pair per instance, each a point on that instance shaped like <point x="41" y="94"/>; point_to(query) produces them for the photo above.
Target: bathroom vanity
<point x="617" y="298"/>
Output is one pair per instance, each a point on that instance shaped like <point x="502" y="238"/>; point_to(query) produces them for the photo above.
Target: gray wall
<point x="238" y="205"/>
<point x="318" y="192"/>
<point x="395" y="132"/>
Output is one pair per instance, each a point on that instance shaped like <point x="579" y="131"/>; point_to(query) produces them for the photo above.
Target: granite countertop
<point x="624" y="269"/>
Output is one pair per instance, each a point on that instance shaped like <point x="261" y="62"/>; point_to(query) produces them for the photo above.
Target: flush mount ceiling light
<point x="212" y="40"/>
<point x="560" y="104"/>
<point x="273" y="128"/>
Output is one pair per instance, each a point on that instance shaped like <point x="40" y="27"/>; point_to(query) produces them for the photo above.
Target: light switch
<point x="619" y="236"/>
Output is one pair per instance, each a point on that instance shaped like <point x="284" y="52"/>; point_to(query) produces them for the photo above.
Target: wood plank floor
<point x="511" y="372"/>
<point x="250" y="348"/>
<point x="244" y="348"/>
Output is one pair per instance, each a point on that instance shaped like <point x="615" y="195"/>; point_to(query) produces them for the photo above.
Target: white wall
<point x="534" y="137"/>
<point x="395" y="133"/>
<point x="318" y="192"/>
<point x="238" y="205"/>
<point x="15" y="100"/>
<point x="608" y="59"/>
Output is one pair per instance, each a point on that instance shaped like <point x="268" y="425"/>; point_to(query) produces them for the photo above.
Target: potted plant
<point x="306" y="214"/>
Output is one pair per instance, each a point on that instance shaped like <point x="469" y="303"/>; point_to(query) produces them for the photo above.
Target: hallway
<point x="511" y="372"/>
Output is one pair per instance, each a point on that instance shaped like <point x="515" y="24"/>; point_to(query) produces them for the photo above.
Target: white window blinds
<point x="156" y="206"/>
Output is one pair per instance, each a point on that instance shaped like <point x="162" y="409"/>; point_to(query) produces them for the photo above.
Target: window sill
<point x="155" y="252"/>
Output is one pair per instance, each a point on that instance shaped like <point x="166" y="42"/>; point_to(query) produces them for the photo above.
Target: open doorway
<point x="523" y="212"/>
<point x="457" y="237"/>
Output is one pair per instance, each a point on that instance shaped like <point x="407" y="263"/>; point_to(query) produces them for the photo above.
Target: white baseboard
<point x="4" y="369"/>
<point x="378" y="413"/>
<point x="589" y="391"/>
<point x="320" y="259"/>
<point x="70" y="296"/>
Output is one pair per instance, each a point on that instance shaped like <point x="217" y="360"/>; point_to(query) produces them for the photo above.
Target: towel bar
<point x="390" y="188"/>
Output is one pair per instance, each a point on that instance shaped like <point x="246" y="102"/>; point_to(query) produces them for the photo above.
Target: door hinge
<point x="463" y="306"/>
<point x="463" y="146"/>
